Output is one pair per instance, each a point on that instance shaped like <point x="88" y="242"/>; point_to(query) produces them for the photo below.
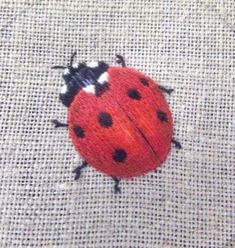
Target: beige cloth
<point x="187" y="45"/>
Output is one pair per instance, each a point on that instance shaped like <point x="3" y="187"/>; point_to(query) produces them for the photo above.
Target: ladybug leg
<point x="120" y="60"/>
<point x="163" y="89"/>
<point x="77" y="171"/>
<point x="116" y="185"/>
<point x="177" y="144"/>
<point x="59" y="124"/>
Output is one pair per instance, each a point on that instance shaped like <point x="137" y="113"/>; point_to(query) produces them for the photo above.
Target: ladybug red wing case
<point x="146" y="108"/>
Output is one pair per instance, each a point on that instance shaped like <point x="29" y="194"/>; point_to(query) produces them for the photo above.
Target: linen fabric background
<point x="185" y="45"/>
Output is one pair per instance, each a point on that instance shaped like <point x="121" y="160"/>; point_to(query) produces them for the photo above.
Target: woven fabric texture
<point x="185" y="45"/>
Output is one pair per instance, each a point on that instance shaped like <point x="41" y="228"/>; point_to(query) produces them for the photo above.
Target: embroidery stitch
<point x="118" y="119"/>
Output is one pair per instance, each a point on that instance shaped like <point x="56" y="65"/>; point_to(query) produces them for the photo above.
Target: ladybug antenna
<point x="72" y="58"/>
<point x="58" y="67"/>
<point x="70" y="62"/>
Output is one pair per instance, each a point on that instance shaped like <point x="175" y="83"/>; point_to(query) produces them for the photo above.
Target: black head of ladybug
<point x="91" y="77"/>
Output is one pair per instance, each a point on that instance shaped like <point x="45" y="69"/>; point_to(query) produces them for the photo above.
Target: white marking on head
<point x="90" y="89"/>
<point x="75" y="65"/>
<point x="103" y="78"/>
<point x="93" y="64"/>
<point x="66" y="71"/>
<point x="64" y="89"/>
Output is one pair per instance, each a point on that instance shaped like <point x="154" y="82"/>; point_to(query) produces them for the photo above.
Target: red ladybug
<point x="118" y="118"/>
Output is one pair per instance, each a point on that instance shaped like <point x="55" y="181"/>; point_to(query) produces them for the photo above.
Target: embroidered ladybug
<point x="118" y="118"/>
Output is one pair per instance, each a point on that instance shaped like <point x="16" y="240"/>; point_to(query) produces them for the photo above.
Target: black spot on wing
<point x="134" y="94"/>
<point x="162" y="116"/>
<point x="105" y="119"/>
<point x="144" y="81"/>
<point x="119" y="155"/>
<point x="79" y="131"/>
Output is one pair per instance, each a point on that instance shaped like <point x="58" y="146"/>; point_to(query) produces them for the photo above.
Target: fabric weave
<point x="185" y="45"/>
